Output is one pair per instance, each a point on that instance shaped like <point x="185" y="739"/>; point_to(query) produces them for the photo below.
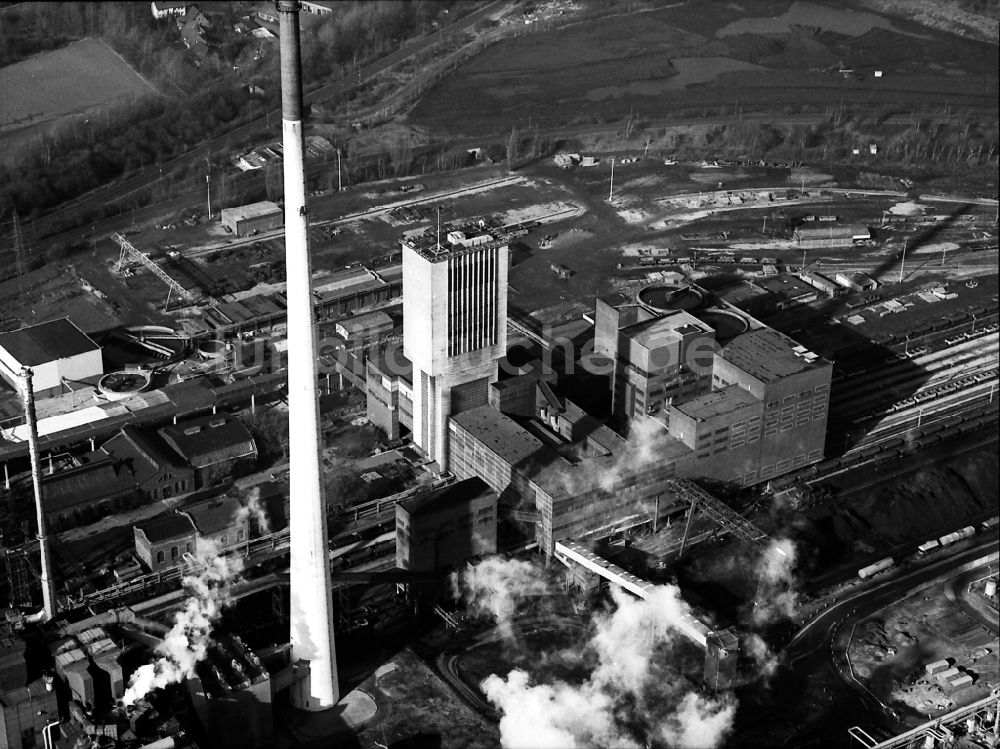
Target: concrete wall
<point x="47" y="381"/>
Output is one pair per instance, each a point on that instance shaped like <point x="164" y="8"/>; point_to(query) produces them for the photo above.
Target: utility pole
<point x="340" y="184"/>
<point x="611" y="192"/>
<point x="902" y="261"/>
<point x="763" y="229"/>
<point x="803" y="259"/>
<point x="208" y="187"/>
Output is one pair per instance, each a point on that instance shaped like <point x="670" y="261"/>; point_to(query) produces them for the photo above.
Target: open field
<point x="678" y="61"/>
<point x="77" y="80"/>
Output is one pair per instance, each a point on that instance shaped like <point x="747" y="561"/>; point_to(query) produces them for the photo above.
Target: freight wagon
<point x="876" y="567"/>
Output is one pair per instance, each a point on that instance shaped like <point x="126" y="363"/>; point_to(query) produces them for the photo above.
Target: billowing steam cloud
<point x="496" y="586"/>
<point x="631" y="697"/>
<point x="757" y="648"/>
<point x="642" y="449"/>
<point x="698" y="723"/>
<point x="253" y="509"/>
<point x="208" y="585"/>
<point x="777" y="595"/>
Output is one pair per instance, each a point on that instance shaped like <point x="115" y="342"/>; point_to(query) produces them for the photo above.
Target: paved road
<point x="957" y="588"/>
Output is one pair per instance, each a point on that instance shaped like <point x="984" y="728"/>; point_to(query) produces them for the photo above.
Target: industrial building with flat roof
<point x="442" y="528"/>
<point x="454" y="327"/>
<point x="58" y="353"/>
<point x="832" y="235"/>
<point x="253" y="218"/>
<point x="753" y="406"/>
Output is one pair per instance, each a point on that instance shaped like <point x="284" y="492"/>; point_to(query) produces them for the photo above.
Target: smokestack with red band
<point x="311" y="597"/>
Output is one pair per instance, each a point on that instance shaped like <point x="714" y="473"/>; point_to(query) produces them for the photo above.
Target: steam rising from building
<point x="634" y="696"/>
<point x="253" y="509"/>
<point x="777" y="597"/>
<point x="209" y="587"/>
<point x="496" y="586"/>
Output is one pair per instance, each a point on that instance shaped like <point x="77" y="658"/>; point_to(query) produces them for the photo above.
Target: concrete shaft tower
<point x="311" y="598"/>
<point x="454" y="329"/>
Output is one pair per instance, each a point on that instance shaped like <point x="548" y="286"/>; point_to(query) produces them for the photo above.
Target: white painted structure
<point x="568" y="552"/>
<point x="311" y="616"/>
<point x="56" y="351"/>
<point x="454" y="329"/>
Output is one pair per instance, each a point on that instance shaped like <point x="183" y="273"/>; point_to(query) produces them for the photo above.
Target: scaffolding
<point x="129" y="252"/>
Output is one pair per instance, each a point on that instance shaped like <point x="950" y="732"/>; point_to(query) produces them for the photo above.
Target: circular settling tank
<point x="727" y="325"/>
<point x="213" y="349"/>
<point x="668" y="298"/>
<point x="123" y="383"/>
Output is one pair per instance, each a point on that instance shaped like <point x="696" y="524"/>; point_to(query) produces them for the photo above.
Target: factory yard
<point x="909" y="656"/>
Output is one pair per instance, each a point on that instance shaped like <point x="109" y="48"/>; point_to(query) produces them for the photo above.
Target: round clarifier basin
<point x="213" y="349"/>
<point x="123" y="383"/>
<point x="727" y="325"/>
<point x="667" y="298"/>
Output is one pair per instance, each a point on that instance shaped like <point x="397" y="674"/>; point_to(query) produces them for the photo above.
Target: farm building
<point x="58" y="353"/>
<point x="162" y="9"/>
<point x="826" y="236"/>
<point x="368" y="325"/>
<point x="255" y="217"/>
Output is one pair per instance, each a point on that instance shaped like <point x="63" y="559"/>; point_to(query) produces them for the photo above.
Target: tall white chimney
<point x="48" y="584"/>
<point x="311" y="597"/>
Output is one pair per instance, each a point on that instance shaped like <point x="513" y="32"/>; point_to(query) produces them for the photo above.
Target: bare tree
<point x="512" y="143"/>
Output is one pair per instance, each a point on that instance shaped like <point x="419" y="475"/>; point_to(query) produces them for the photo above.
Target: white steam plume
<point x="553" y="716"/>
<point x="633" y="684"/>
<point x="252" y="508"/>
<point x="757" y="648"/>
<point x="698" y="723"/>
<point x="496" y="586"/>
<point x="642" y="449"/>
<point x="209" y="588"/>
<point x="778" y="598"/>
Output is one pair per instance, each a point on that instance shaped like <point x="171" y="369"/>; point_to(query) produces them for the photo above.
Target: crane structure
<point x="718" y="512"/>
<point x="129" y="252"/>
<point x="727" y="519"/>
